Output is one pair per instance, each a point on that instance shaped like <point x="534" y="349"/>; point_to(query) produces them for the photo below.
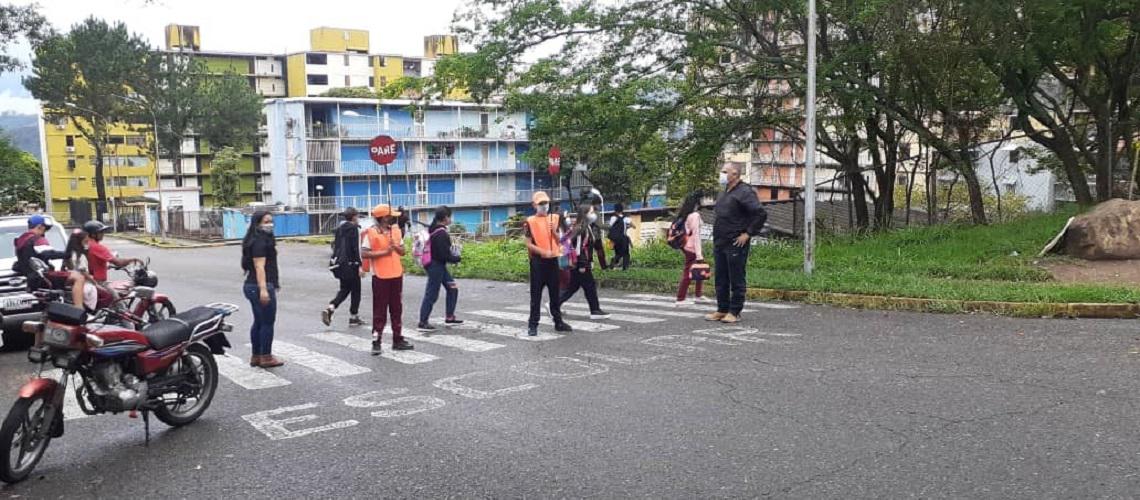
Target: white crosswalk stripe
<point x="239" y="372"/>
<point x="584" y="326"/>
<point x="671" y="314"/>
<point x="625" y="318"/>
<point x="672" y="300"/>
<point x="658" y="303"/>
<point x="505" y="331"/>
<point x="456" y="341"/>
<point x="316" y="361"/>
<point x="363" y="344"/>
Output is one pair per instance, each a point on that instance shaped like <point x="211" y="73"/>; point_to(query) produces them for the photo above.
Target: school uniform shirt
<point x="388" y="266"/>
<point x="624" y="221"/>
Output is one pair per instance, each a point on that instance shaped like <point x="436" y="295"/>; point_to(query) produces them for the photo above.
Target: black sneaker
<point x="599" y="314"/>
<point x="403" y="345"/>
<point x="453" y="321"/>
<point x="425" y="327"/>
<point x="532" y="331"/>
<point x="563" y="328"/>
<point x="355" y="321"/>
<point x="326" y="316"/>
<point x="377" y="347"/>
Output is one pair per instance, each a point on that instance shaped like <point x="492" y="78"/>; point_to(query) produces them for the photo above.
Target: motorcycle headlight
<point x="57" y="337"/>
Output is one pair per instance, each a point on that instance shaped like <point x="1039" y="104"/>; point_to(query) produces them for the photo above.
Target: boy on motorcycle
<point x="98" y="255"/>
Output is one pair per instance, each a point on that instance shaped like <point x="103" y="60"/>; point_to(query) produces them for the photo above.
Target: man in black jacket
<point x="437" y="273"/>
<point x="346" y="252"/>
<point x="739" y="217"/>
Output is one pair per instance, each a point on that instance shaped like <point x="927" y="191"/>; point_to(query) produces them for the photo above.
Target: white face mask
<point x="723" y="180"/>
<point x="543" y="209"/>
<point x="268" y="228"/>
<point x="592" y="218"/>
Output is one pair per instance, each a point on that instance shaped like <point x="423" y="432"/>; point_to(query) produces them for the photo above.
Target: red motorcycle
<point x="144" y="307"/>
<point x="167" y="368"/>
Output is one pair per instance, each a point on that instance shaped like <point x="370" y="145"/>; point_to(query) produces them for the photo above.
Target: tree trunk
<point x="100" y="183"/>
<point x="974" y="188"/>
<point x="1104" y="156"/>
<point x="859" y="199"/>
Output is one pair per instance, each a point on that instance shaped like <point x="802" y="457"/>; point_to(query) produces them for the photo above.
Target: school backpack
<point x="421" y="246"/>
<point x="678" y="234"/>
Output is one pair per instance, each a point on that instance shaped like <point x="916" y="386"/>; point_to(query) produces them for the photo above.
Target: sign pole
<point x="382" y="150"/>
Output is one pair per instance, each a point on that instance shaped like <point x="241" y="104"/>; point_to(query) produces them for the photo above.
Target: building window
<point x="319" y="59"/>
<point x="383" y="61"/>
<point x="383" y="81"/>
<point x="774" y="193"/>
<point x="70" y="141"/>
<point x="74" y="184"/>
<point x="903" y="180"/>
<point x="347" y="81"/>
<point x="318" y="79"/>
<point x="1015" y="156"/>
<point x="116" y="139"/>
<point x="441" y="151"/>
<point x="136" y="140"/>
<point x="71" y="165"/>
<point x="372" y="81"/>
<point x="346" y="63"/>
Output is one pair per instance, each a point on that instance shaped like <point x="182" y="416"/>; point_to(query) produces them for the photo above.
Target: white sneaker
<point x="679" y="303"/>
<point x="702" y="300"/>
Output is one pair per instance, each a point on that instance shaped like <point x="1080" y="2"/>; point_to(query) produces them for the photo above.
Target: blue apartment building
<point x="464" y="155"/>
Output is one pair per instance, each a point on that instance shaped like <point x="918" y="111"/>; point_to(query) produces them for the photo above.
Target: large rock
<point x="1109" y="231"/>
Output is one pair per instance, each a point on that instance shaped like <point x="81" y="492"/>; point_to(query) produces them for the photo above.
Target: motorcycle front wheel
<point x="24" y="437"/>
<point x="194" y="394"/>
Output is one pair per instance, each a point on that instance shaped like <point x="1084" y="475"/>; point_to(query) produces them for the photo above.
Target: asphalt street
<point x="797" y="402"/>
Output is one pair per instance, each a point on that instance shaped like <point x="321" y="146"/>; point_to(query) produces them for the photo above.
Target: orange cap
<point x="540" y="197"/>
<point x="384" y="210"/>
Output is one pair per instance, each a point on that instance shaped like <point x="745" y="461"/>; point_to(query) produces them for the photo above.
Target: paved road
<point x="800" y="402"/>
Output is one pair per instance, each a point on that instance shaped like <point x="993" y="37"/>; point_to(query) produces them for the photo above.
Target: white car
<point x="16" y="304"/>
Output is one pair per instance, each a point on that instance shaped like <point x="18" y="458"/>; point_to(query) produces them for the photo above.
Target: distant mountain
<point x="23" y="131"/>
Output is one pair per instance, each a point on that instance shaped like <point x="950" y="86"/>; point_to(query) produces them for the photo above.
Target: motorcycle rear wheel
<point x="198" y="365"/>
<point x="26" y="420"/>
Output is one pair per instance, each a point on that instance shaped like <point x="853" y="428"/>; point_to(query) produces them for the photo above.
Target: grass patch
<point x="976" y="263"/>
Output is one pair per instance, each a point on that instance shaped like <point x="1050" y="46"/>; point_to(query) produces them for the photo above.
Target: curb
<point x="166" y="246"/>
<point x="855" y="301"/>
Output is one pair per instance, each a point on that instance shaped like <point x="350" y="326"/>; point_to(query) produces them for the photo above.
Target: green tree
<point x="231" y="114"/>
<point x="174" y="95"/>
<point x="224" y="176"/>
<point x="80" y="76"/>
<point x="21" y="179"/>
<point x="19" y="21"/>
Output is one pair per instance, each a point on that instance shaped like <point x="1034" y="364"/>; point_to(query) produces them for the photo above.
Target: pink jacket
<point x="693" y="229"/>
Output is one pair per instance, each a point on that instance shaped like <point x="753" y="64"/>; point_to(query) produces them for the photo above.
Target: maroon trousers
<point x="388" y="298"/>
<point x="686" y="277"/>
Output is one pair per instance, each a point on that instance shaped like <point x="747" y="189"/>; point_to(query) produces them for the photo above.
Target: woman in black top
<point x="259" y="261"/>
<point x="584" y="242"/>
<point x="438" y="275"/>
<point x="346" y="251"/>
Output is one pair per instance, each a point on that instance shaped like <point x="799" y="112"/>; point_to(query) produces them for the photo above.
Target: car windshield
<point x="10" y="231"/>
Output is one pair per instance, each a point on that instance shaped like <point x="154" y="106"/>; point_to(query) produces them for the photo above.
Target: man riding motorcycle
<point x="33" y="245"/>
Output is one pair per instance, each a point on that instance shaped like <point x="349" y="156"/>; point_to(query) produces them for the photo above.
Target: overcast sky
<point x="396" y="26"/>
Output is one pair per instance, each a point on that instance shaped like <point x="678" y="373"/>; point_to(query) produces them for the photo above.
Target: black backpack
<point x="617" y="231"/>
<point x="678" y="235"/>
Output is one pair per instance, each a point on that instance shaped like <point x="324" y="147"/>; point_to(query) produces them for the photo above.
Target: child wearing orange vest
<point x="543" y="240"/>
<point x="382" y="246"/>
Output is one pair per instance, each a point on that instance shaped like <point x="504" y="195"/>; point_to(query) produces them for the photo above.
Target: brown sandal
<point x="255" y="360"/>
<point x="269" y="361"/>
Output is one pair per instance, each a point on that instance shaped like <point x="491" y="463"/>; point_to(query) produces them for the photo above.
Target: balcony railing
<point x="411" y="166"/>
<point x="418" y="132"/>
<point x="419" y="200"/>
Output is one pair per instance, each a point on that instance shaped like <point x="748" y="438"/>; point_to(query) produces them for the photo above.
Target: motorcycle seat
<point x="177" y="329"/>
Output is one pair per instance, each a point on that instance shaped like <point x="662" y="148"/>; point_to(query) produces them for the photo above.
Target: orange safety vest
<point x="389" y="266"/>
<point x="543" y="232"/>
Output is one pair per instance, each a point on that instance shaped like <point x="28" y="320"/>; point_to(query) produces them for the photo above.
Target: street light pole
<point x="157" y="170"/>
<point x="809" y="174"/>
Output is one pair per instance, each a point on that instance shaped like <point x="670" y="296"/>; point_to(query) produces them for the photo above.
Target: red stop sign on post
<point x="555" y="160"/>
<point x="382" y="149"/>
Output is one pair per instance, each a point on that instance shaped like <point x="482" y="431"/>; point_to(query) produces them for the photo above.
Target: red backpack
<point x="678" y="234"/>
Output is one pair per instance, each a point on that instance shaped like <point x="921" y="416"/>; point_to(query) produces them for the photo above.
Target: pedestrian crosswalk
<point x="329" y="354"/>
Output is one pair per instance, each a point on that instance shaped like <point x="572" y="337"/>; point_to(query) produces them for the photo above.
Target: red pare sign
<point x="382" y="149"/>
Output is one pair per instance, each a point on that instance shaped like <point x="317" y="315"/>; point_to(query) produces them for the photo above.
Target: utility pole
<point x="809" y="174"/>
